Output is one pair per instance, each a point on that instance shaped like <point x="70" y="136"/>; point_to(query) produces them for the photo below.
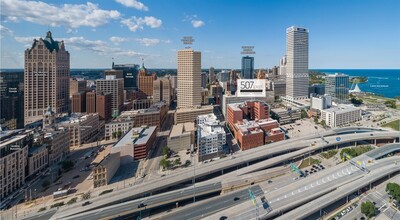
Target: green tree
<point x="166" y="151"/>
<point x="323" y="123"/>
<point x="67" y="164"/>
<point x="393" y="189"/>
<point x="177" y="162"/>
<point x="119" y="134"/>
<point x="165" y="164"/>
<point x="391" y="103"/>
<point x="303" y="113"/>
<point x="316" y="120"/>
<point x="114" y="134"/>
<point x="356" y="101"/>
<point x="368" y="209"/>
<point x="187" y="163"/>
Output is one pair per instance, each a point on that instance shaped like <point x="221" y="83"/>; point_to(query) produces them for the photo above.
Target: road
<point x="149" y="202"/>
<point x="224" y="163"/>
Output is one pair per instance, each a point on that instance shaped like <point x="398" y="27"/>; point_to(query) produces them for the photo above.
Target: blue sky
<point x="343" y="33"/>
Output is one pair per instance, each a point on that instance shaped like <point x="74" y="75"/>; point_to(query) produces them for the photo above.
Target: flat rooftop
<point x="342" y="109"/>
<point x="136" y="136"/>
<point x="200" y="108"/>
<point x="181" y="128"/>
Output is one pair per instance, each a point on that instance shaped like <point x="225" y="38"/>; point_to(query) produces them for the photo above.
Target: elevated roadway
<point x="225" y="163"/>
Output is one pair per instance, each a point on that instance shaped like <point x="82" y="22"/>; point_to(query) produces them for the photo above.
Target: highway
<point x="243" y="157"/>
<point x="213" y="205"/>
<point x="323" y="201"/>
<point x="307" y="189"/>
<point x="149" y="202"/>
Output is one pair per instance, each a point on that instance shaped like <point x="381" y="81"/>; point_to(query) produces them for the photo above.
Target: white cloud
<point x="135" y="23"/>
<point x="4" y="31"/>
<point x="148" y="41"/>
<point x="117" y="40"/>
<point x="68" y="15"/>
<point x="80" y="43"/>
<point x="198" y="23"/>
<point x="133" y="4"/>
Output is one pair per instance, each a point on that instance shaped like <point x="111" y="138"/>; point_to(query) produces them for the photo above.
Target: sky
<point x="357" y="34"/>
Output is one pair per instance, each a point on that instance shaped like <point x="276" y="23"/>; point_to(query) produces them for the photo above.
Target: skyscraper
<point x="114" y="86"/>
<point x="189" y="78"/>
<point x="211" y="75"/>
<point x="130" y="72"/>
<point x="297" y="63"/>
<point x="12" y="100"/>
<point x="337" y="86"/>
<point x="247" y="67"/>
<point x="282" y="66"/>
<point x="46" y="78"/>
<point x="145" y="83"/>
<point x="204" y="80"/>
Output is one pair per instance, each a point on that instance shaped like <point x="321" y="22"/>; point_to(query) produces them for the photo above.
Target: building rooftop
<point x="247" y="125"/>
<point x="110" y="158"/>
<point x="204" y="107"/>
<point x="136" y="136"/>
<point x="182" y="128"/>
<point x="342" y="109"/>
<point x="75" y="118"/>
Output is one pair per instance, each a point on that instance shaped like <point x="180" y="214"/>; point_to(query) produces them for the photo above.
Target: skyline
<point x="129" y="30"/>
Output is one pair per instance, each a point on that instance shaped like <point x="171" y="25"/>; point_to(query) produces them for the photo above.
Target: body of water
<point x="385" y="82"/>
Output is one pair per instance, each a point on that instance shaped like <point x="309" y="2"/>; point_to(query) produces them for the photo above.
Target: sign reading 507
<point x="251" y="88"/>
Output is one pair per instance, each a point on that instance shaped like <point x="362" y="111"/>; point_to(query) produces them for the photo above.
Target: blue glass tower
<point x="247" y="67"/>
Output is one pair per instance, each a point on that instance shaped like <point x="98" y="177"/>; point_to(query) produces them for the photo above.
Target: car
<point x="269" y="181"/>
<point x="374" y="203"/>
<point x="86" y="203"/>
<point x="77" y="176"/>
<point x="223" y="218"/>
<point x="163" y="175"/>
<point x="141" y="205"/>
<point x="236" y="199"/>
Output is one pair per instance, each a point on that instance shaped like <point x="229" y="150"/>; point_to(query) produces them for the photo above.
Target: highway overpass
<point x="217" y="166"/>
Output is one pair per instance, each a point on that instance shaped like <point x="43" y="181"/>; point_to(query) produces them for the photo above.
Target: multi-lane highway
<point x="243" y="157"/>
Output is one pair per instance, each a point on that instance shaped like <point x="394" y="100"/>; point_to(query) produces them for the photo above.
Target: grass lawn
<point x="308" y="162"/>
<point x="329" y="154"/>
<point x="395" y="125"/>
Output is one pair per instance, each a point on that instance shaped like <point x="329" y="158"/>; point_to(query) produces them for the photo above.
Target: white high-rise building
<point x="211" y="75"/>
<point x="282" y="66"/>
<point x="189" y="78"/>
<point x="296" y="63"/>
<point x="211" y="137"/>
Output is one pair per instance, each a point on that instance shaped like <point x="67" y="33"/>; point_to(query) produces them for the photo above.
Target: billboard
<point x="251" y="88"/>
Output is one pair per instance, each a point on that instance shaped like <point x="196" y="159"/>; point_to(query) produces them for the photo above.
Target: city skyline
<point x="129" y="30"/>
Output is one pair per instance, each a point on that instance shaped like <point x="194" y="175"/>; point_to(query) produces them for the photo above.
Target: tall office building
<point x="46" y="78"/>
<point x="337" y="86"/>
<point x="130" y="73"/>
<point x="103" y="106"/>
<point x="78" y="102"/>
<point x="211" y="75"/>
<point x="157" y="90"/>
<point x="119" y="74"/>
<point x="282" y="66"/>
<point x="90" y="102"/>
<point x="12" y="100"/>
<point x="247" y="67"/>
<point x="297" y="63"/>
<point x="145" y="83"/>
<point x="204" y="80"/>
<point x="114" y="86"/>
<point x="189" y="78"/>
<point x="76" y="85"/>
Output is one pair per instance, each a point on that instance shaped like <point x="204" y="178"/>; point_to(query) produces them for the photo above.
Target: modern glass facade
<point x="337" y="86"/>
<point x="130" y="75"/>
<point x="247" y="67"/>
<point x="12" y="100"/>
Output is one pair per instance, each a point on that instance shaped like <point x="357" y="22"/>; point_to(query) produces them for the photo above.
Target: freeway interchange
<point x="127" y="201"/>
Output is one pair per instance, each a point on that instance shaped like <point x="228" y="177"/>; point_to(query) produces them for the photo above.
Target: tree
<point x="323" y="123"/>
<point x="114" y="134"/>
<point x="177" y="162"/>
<point x="86" y="195"/>
<point x="165" y="164"/>
<point x="391" y="103"/>
<point x="393" y="189"/>
<point x="166" y="151"/>
<point x="67" y="164"/>
<point x="316" y="120"/>
<point x="356" y="101"/>
<point x="187" y="163"/>
<point x="119" y="134"/>
<point x="303" y="113"/>
<point x="368" y="209"/>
